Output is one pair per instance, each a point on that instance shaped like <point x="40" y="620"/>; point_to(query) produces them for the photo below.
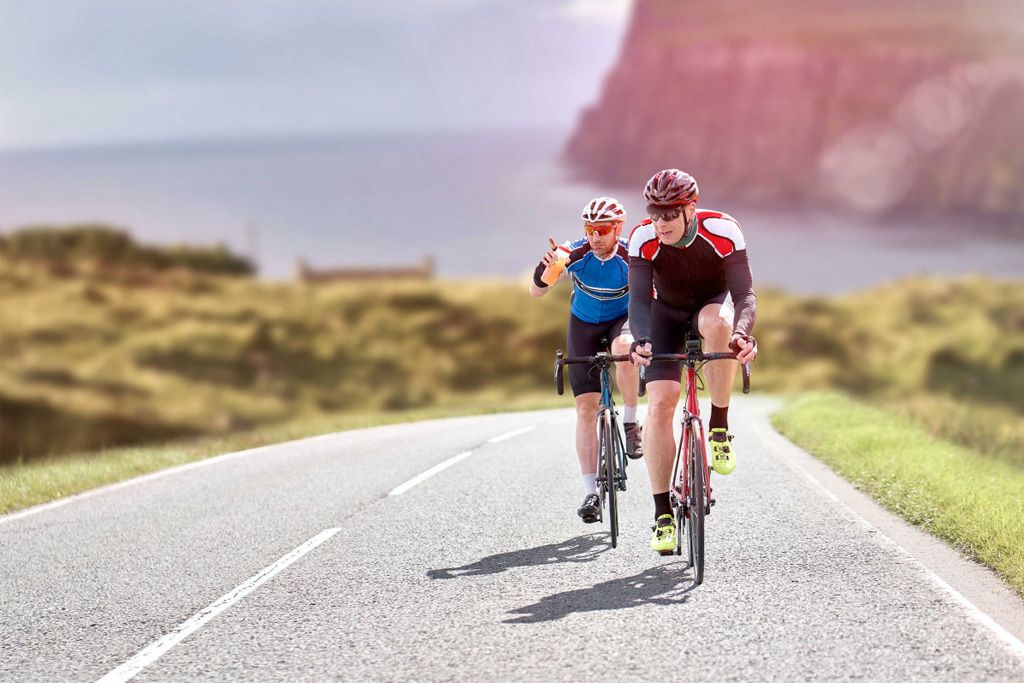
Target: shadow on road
<point x="579" y="549"/>
<point x="667" y="584"/>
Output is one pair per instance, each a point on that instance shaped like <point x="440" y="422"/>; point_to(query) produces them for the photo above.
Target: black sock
<point x="719" y="417"/>
<point x="662" y="505"/>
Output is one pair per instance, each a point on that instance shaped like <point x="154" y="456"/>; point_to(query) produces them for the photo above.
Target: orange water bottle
<point x="554" y="271"/>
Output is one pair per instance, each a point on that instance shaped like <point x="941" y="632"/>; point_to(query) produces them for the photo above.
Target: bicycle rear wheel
<point x="608" y="462"/>
<point x="679" y="509"/>
<point x="696" y="506"/>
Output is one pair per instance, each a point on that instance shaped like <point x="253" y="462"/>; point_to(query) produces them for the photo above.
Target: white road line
<point x="150" y="654"/>
<point x="509" y="435"/>
<point x="420" y="478"/>
<point x="769" y="435"/>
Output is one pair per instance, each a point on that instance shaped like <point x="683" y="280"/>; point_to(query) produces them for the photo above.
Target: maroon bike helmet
<point x="671" y="187"/>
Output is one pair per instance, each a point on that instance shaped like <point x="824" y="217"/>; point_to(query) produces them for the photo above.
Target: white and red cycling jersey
<point x="687" y="275"/>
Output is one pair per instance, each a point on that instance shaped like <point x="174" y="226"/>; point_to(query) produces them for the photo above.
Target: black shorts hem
<point x="584" y="339"/>
<point x="669" y="329"/>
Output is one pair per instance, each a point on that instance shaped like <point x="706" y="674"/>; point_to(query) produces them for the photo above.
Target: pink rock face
<point x="912" y="110"/>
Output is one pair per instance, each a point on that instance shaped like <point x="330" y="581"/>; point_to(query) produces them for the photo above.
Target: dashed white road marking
<point x="509" y="435"/>
<point x="150" y="654"/>
<point x="420" y="478"/>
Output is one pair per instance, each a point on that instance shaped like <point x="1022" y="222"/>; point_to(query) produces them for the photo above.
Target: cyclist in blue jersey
<point x="598" y="267"/>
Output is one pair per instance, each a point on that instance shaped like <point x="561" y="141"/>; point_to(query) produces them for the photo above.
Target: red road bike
<point x="690" y="492"/>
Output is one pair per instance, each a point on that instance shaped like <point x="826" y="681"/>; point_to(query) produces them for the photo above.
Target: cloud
<point x="598" y="11"/>
<point x="106" y="70"/>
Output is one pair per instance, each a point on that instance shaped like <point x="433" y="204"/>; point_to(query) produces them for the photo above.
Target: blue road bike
<point x="611" y="463"/>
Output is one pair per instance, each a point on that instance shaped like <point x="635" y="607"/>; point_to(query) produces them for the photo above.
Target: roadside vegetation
<point x="971" y="500"/>
<point x="98" y="248"/>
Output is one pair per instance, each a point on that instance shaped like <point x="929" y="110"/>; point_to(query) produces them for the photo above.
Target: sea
<point x="482" y="204"/>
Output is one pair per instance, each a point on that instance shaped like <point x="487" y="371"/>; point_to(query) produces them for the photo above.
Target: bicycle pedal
<point x="666" y="552"/>
<point x="712" y="502"/>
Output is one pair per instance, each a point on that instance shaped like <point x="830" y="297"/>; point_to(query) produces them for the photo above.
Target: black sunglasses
<point x="669" y="215"/>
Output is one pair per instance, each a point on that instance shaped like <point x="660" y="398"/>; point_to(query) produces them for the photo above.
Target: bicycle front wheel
<point x="696" y="506"/>
<point x="620" y="455"/>
<point x="608" y="461"/>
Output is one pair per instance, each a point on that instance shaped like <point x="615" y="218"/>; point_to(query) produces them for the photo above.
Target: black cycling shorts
<point x="585" y="340"/>
<point x="669" y="327"/>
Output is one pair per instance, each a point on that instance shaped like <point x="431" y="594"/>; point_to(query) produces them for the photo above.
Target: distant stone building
<point x="422" y="271"/>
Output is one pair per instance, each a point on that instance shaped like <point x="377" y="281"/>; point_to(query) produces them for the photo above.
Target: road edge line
<point x="781" y="443"/>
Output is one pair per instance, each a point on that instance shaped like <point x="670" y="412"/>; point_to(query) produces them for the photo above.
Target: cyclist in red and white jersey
<point x="688" y="271"/>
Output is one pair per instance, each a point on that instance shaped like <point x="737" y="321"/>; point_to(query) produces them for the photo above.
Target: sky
<point x="85" y="72"/>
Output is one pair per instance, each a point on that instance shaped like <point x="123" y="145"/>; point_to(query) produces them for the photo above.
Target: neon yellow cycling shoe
<point x="723" y="460"/>
<point x="664" y="538"/>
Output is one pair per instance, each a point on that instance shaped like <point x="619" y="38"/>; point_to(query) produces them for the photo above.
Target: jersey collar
<point x="689" y="235"/>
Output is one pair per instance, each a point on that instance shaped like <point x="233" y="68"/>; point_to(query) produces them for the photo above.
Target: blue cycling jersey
<point x="600" y="288"/>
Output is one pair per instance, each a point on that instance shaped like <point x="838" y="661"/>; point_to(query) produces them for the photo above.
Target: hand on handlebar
<point x="745" y="347"/>
<point x="640" y="352"/>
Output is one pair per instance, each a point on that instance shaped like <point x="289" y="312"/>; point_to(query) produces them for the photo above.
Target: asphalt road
<point x="481" y="571"/>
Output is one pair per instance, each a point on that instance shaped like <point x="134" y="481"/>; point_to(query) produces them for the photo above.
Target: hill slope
<point x="871" y="105"/>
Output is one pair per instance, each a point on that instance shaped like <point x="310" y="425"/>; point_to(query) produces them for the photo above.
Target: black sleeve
<point x="537" y="272"/>
<point x="741" y="287"/>
<point x="641" y="287"/>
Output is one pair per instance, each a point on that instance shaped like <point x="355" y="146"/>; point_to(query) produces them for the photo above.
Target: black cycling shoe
<point x="590" y="511"/>
<point x="634" y="440"/>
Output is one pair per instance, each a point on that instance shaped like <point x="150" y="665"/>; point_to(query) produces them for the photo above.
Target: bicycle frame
<point x="680" y="487"/>
<point x="691" y="422"/>
<point x="607" y="406"/>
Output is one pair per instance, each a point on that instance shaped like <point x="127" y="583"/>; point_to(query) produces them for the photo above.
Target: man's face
<point x="603" y="237"/>
<point x="671" y="231"/>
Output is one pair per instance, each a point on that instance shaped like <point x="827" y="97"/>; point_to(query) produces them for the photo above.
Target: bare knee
<point x="586" y="406"/>
<point x="661" y="408"/>
<point x="716" y="330"/>
<point x="620" y="345"/>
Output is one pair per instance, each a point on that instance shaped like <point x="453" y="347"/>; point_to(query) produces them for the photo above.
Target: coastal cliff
<point x="869" y="105"/>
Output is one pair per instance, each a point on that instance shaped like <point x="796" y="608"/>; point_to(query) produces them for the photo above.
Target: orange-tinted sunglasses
<point x="601" y="229"/>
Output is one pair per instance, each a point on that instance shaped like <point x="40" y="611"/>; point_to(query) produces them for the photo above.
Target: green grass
<point x="40" y="481"/>
<point x="972" y="501"/>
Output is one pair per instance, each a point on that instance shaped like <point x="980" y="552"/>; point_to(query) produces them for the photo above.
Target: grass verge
<point x="972" y="501"/>
<point x="40" y="481"/>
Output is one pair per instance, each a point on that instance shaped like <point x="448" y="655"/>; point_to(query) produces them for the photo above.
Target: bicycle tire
<point x="680" y="525"/>
<point x="620" y="455"/>
<point x="696" y="508"/>
<point x="608" y="455"/>
<point x="602" y="485"/>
